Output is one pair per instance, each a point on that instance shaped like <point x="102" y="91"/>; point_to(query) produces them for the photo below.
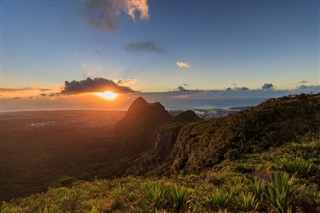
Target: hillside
<point x="199" y="145"/>
<point x="56" y="148"/>
<point x="265" y="159"/>
<point x="250" y="182"/>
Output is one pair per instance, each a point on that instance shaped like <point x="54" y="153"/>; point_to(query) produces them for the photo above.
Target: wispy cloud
<point x="144" y="46"/>
<point x="101" y="14"/>
<point x="22" y="93"/>
<point x="34" y="88"/>
<point x="93" y="85"/>
<point x="182" y="64"/>
<point x="122" y="82"/>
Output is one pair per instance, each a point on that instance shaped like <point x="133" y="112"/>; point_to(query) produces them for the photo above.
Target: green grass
<point x="179" y="197"/>
<point x="299" y="166"/>
<point x="280" y="192"/>
<point x="247" y="201"/>
<point x="219" y="199"/>
<point x="257" y="187"/>
<point x="155" y="192"/>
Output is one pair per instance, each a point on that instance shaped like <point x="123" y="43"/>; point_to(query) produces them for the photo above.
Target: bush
<point x="219" y="199"/>
<point x="232" y="154"/>
<point x="155" y="192"/>
<point x="280" y="193"/>
<point x="179" y="197"/>
<point x="257" y="187"/>
<point x="247" y="201"/>
<point x="299" y="166"/>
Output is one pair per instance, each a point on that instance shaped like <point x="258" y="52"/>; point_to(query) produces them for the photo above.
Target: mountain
<point x="264" y="159"/>
<point x="142" y="116"/>
<point x="193" y="147"/>
<point x="185" y="117"/>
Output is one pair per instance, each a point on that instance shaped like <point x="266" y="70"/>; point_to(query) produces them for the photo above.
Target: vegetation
<point x="208" y="169"/>
<point x="267" y="188"/>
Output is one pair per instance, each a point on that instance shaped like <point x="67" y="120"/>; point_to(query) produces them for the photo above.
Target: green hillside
<point x="282" y="179"/>
<point x="263" y="159"/>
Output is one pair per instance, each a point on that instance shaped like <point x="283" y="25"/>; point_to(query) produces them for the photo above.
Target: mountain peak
<point x="139" y="101"/>
<point x="142" y="115"/>
<point x="187" y="116"/>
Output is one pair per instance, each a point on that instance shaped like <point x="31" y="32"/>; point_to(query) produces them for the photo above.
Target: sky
<point x="162" y="49"/>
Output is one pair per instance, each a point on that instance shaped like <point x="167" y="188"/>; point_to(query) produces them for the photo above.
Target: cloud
<point x="93" y="85"/>
<point x="237" y="89"/>
<point x="303" y="82"/>
<point x="241" y="88"/>
<point x="182" y="64"/>
<point x="101" y="14"/>
<point x="182" y="89"/>
<point x="122" y="82"/>
<point x="144" y="46"/>
<point x="310" y="88"/>
<point x="34" y="88"/>
<point x="22" y="93"/>
<point x="267" y="86"/>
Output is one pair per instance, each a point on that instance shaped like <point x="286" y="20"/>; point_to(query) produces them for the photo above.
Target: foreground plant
<point x="257" y="187"/>
<point x="280" y="193"/>
<point x="299" y="166"/>
<point x="247" y="201"/>
<point x="155" y="192"/>
<point x="219" y="199"/>
<point x="179" y="197"/>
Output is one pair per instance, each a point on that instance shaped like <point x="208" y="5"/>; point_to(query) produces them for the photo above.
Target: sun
<point x="108" y="95"/>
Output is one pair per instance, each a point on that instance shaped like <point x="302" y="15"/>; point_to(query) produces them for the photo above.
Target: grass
<point x="247" y="201"/>
<point x="280" y="193"/>
<point x="179" y="197"/>
<point x="219" y="199"/>
<point x="257" y="187"/>
<point x="155" y="192"/>
<point x="299" y="166"/>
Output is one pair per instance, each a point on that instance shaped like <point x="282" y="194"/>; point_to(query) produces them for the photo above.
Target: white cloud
<point x="182" y="64"/>
<point x="101" y="14"/>
<point x="134" y="6"/>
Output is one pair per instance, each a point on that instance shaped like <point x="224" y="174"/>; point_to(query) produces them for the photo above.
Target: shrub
<point x="219" y="199"/>
<point x="257" y="187"/>
<point x="280" y="193"/>
<point x="247" y="201"/>
<point x="179" y="197"/>
<point x="298" y="166"/>
<point x="232" y="154"/>
<point x="155" y="192"/>
<point x="242" y="169"/>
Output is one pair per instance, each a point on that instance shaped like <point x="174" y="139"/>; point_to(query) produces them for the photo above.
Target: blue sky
<point x="224" y="44"/>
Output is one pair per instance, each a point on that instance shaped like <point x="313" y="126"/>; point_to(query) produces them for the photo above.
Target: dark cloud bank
<point x="93" y="85"/>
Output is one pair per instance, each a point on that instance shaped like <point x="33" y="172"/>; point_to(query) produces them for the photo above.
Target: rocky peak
<point x="142" y="115"/>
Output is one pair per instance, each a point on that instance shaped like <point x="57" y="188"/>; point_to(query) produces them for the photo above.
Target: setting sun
<point x="109" y="95"/>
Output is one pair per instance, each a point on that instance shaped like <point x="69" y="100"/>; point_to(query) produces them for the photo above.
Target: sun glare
<point x="108" y="95"/>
